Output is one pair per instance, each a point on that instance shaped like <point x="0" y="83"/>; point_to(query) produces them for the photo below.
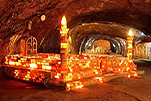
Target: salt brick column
<point x="130" y="46"/>
<point x="63" y="38"/>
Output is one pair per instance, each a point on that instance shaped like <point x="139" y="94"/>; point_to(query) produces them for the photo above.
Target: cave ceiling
<point x="15" y="15"/>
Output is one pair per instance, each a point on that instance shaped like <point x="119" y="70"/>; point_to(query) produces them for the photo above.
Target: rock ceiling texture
<point x="15" y="15"/>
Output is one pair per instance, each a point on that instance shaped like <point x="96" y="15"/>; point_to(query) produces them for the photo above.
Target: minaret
<point x="130" y="45"/>
<point x="63" y="38"/>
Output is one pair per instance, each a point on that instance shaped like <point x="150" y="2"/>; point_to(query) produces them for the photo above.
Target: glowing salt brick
<point x="135" y="68"/>
<point x="59" y="62"/>
<point x="17" y="64"/>
<point x="79" y="77"/>
<point x="100" y="79"/>
<point x="96" y="72"/>
<point x="6" y="62"/>
<point x="68" y="86"/>
<point x="135" y="74"/>
<point x="38" y="62"/>
<point x="129" y="75"/>
<point x="71" y="70"/>
<point x="87" y="64"/>
<point x="85" y="57"/>
<point x="46" y="63"/>
<point x="21" y="58"/>
<point x="33" y="65"/>
<point x="12" y="63"/>
<point x="57" y="76"/>
<point x="46" y="67"/>
<point x="16" y="72"/>
<point x="19" y="61"/>
<point x="6" y="57"/>
<point x="79" y="86"/>
<point x="127" y="69"/>
<point x="42" y="63"/>
<point x="69" y="77"/>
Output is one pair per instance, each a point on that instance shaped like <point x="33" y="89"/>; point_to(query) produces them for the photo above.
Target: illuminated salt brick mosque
<point x="71" y="71"/>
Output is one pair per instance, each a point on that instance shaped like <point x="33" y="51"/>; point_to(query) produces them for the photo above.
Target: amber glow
<point x="64" y="22"/>
<point x="46" y="67"/>
<point x="100" y="79"/>
<point x="74" y="85"/>
<point x="79" y="86"/>
<point x="129" y="75"/>
<point x="79" y="67"/>
<point x="69" y="69"/>
<point x="12" y="63"/>
<point x="135" y="74"/>
<point x="127" y="69"/>
<point x="130" y="33"/>
<point x="16" y="72"/>
<point x="33" y="65"/>
<point x="63" y="37"/>
<point x="130" y="46"/>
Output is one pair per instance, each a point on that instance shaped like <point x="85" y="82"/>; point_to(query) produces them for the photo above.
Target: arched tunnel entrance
<point x="103" y="44"/>
<point x="100" y="38"/>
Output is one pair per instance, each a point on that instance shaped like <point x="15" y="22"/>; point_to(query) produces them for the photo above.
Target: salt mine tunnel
<point x="90" y="23"/>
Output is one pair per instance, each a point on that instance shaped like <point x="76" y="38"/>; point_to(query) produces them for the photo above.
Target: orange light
<point x="79" y="86"/>
<point x="11" y="62"/>
<point x="129" y="75"/>
<point x="96" y="72"/>
<point x="71" y="70"/>
<point x="33" y="65"/>
<point x="46" y="67"/>
<point x="63" y="45"/>
<point x="127" y="69"/>
<point x="78" y="67"/>
<point x="6" y="62"/>
<point x="68" y="85"/>
<point x="135" y="74"/>
<point x="100" y="79"/>
<point x="130" y="33"/>
<point x="59" y="62"/>
<point x="130" y="46"/>
<point x="56" y="76"/>
<point x="87" y="64"/>
<point x="27" y="77"/>
<point x="16" y="72"/>
<point x="63" y="22"/>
